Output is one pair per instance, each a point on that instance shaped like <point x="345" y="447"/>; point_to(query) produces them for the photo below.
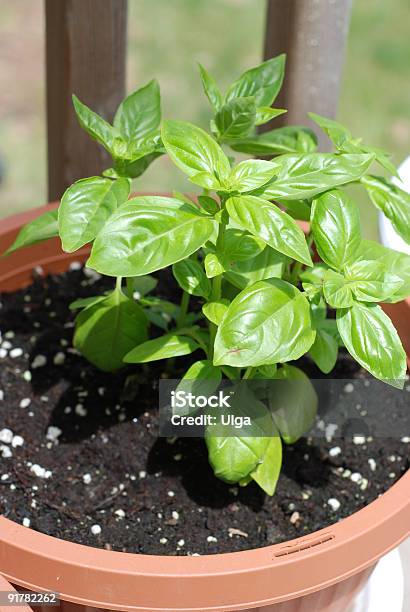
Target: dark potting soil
<point x="82" y="460"/>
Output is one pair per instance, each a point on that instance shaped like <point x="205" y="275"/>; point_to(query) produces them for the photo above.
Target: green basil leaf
<point x="208" y="204"/>
<point x="370" y="281"/>
<point x="330" y="327"/>
<point x="303" y="177"/>
<point x="84" y="302"/>
<point x="194" y="151"/>
<point x="365" y="281"/>
<point x="382" y="158"/>
<point x="266" y="113"/>
<point x="267" y="472"/>
<point x="268" y="264"/>
<point x="268" y="322"/>
<point x="267" y="371"/>
<point x="335" y="223"/>
<point x="191" y="277"/>
<point x="215" y="311"/>
<point x="293" y="402"/>
<point x="236" y="118"/>
<point x="86" y="206"/>
<point x="233" y="457"/>
<point x="99" y="129"/>
<point x="133" y="169"/>
<point x="318" y="309"/>
<point x="240" y="246"/>
<point x="41" y="228"/>
<point x="149" y="233"/>
<point x="298" y="209"/>
<point x="142" y="285"/>
<point x="140" y="113"/>
<point x="211" y="89"/>
<point x="372" y="340"/>
<point x="251" y="174"/>
<point x="206" y="180"/>
<point x="266" y="221"/>
<point x="324" y="350"/>
<point x="392" y="201"/>
<point x="262" y="82"/>
<point x="162" y="305"/>
<point x="213" y="265"/>
<point x="337" y="291"/>
<point x="312" y="291"/>
<point x="163" y="347"/>
<point x="337" y="133"/>
<point x="344" y="142"/>
<point x="289" y="139"/>
<point x="202" y="378"/>
<point x="108" y="329"/>
<point x="396" y="263"/>
<point x="315" y="274"/>
<point x="159" y="312"/>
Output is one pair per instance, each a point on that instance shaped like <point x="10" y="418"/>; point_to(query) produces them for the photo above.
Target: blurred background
<point x="166" y="39"/>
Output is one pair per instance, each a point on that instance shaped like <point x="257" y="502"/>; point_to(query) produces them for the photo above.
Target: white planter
<point x="384" y="592"/>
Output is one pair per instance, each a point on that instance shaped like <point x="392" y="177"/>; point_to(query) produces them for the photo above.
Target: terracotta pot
<point x="6" y="587"/>
<point x="319" y="572"/>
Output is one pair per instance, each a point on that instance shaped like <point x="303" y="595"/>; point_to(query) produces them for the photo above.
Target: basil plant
<point x="265" y="286"/>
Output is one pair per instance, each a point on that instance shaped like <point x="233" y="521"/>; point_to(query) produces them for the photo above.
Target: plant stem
<point x="298" y="267"/>
<point x="191" y="332"/>
<point x="248" y="373"/>
<point x="183" y="309"/>
<point x="118" y="283"/>
<point x="130" y="287"/>
<point x="216" y="292"/>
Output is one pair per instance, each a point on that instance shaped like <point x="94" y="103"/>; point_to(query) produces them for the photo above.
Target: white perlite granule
<point x="6" y="435"/>
<point x="80" y="410"/>
<point x="334" y="503"/>
<point x="17" y="441"/>
<point x="96" y="529"/>
<point x="40" y="471"/>
<point x="39" y="361"/>
<point x="372" y="464"/>
<point x="5" y="452"/>
<point x="53" y="433"/>
<point x="294" y="518"/>
<point x="59" y="359"/>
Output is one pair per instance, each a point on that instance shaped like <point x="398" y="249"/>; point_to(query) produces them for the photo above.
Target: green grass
<point x="166" y="40"/>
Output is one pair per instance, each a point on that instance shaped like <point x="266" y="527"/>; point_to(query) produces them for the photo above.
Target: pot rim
<point x="229" y="581"/>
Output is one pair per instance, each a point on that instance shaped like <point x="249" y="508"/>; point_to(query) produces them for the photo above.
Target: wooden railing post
<point x="312" y="33"/>
<point x="85" y="55"/>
